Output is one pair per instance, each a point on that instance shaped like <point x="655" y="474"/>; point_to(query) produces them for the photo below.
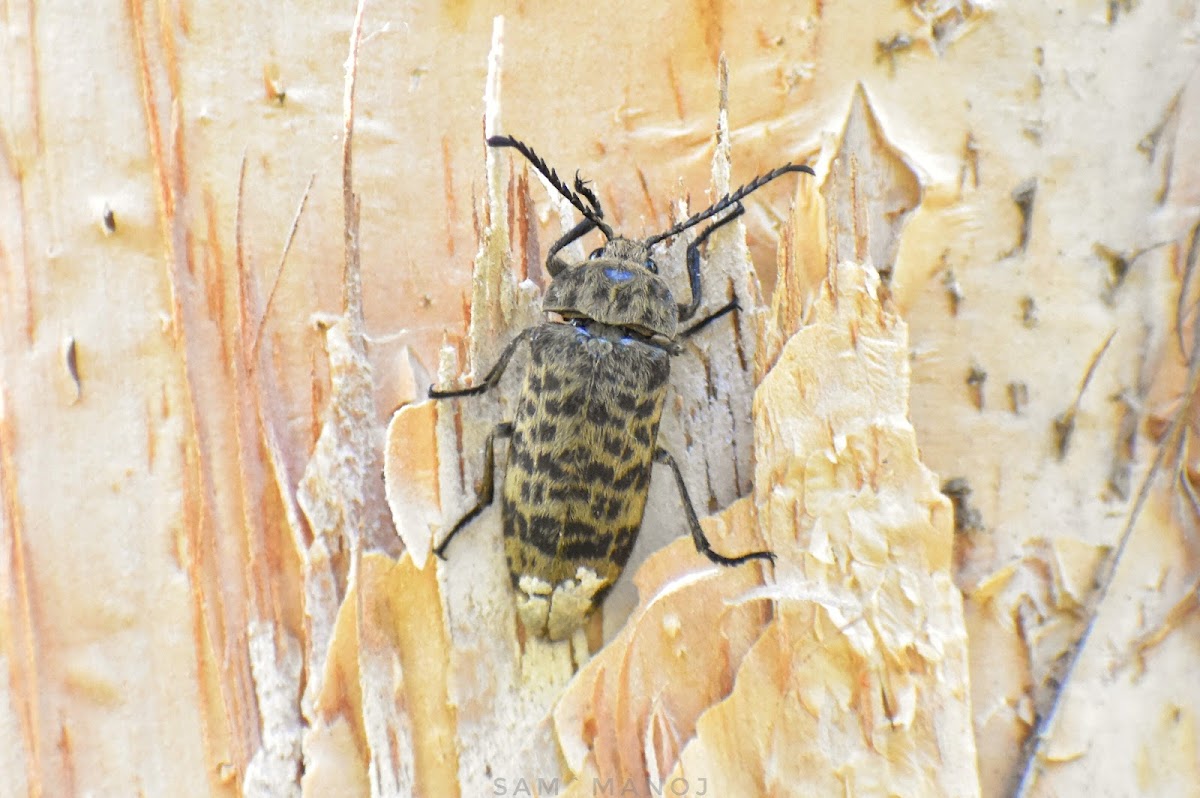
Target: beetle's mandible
<point x="584" y="436"/>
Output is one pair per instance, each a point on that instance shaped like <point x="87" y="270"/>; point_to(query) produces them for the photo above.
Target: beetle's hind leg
<point x="661" y="455"/>
<point x="487" y="484"/>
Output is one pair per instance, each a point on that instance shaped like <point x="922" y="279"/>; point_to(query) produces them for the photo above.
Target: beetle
<point x="583" y="438"/>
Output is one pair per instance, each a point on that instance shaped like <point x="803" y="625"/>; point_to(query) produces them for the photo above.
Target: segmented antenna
<point x="728" y="200"/>
<point x="581" y="186"/>
<point x="590" y="209"/>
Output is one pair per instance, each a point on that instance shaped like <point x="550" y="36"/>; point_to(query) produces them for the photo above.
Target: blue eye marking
<point x="617" y="275"/>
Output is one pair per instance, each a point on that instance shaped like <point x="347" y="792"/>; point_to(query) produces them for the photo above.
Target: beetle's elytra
<point x="584" y="435"/>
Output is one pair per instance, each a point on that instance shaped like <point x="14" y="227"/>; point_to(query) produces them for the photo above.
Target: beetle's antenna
<point x="590" y="208"/>
<point x="582" y="187"/>
<point x="728" y="200"/>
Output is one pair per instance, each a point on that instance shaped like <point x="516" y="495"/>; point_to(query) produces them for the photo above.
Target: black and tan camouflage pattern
<point x="614" y="289"/>
<point x="582" y="448"/>
<point x="584" y="435"/>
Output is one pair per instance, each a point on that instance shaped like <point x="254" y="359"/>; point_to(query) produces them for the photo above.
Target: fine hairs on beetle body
<point x="583" y="439"/>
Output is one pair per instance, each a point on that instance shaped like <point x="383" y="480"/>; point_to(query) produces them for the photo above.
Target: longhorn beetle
<point x="584" y="436"/>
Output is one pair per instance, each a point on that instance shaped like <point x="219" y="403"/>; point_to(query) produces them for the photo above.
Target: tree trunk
<point x="954" y="404"/>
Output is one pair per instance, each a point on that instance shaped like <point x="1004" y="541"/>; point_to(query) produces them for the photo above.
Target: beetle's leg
<point x="707" y="320"/>
<point x="693" y="261"/>
<point x="487" y="484"/>
<point x="555" y="264"/>
<point x="661" y="455"/>
<point x="492" y="377"/>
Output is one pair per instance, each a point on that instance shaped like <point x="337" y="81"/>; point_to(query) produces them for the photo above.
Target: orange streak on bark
<point x="153" y="127"/>
<point x="23" y="661"/>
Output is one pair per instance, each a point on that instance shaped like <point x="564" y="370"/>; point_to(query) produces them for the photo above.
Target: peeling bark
<point x="206" y="587"/>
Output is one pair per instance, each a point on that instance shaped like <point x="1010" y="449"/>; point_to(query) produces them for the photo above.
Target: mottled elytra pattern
<point x="584" y="436"/>
<point x="582" y="446"/>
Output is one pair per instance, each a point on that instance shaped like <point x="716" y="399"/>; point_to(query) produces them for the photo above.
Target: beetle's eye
<point x="596" y="253"/>
<point x="651" y="266"/>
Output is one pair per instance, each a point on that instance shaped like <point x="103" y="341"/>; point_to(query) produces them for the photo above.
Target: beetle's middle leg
<point x="661" y="455"/>
<point x="487" y="484"/>
<point x="492" y="377"/>
<point x="729" y="307"/>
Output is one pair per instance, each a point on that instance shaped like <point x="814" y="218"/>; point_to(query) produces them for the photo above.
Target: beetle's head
<point x="618" y="285"/>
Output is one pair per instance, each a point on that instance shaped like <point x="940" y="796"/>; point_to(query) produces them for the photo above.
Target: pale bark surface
<point x="205" y="590"/>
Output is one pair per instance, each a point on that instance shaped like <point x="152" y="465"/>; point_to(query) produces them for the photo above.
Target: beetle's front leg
<point x="693" y="261"/>
<point x="555" y="264"/>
